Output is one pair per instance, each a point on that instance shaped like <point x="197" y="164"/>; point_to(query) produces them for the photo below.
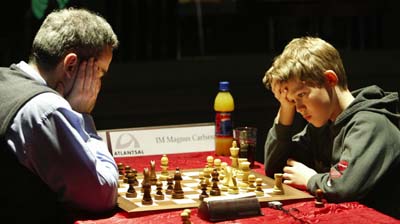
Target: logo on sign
<point x="127" y="140"/>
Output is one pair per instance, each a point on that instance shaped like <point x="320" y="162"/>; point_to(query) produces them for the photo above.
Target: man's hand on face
<point x="86" y="87"/>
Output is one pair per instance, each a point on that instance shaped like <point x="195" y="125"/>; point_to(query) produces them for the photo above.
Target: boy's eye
<point x="301" y="94"/>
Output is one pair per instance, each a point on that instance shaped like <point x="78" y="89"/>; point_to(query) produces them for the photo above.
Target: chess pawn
<point x="217" y="164"/>
<point x="234" y="154"/>
<point x="259" y="190"/>
<point x="251" y="187"/>
<point x="245" y="167"/>
<point x="159" y="195"/>
<point x="131" y="193"/>
<point x="135" y="182"/>
<point x="210" y="161"/>
<point x="170" y="186"/>
<point x="127" y="170"/>
<point x="188" y="211"/>
<point x="121" y="170"/>
<point x="207" y="176"/>
<point x="201" y="178"/>
<point x="185" y="218"/>
<point x="278" y="188"/>
<point x="121" y="174"/>
<point x="203" y="191"/>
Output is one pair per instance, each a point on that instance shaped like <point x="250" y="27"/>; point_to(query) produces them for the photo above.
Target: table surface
<point x="301" y="211"/>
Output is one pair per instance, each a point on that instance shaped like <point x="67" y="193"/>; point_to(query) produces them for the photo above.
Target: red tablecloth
<point x="301" y="211"/>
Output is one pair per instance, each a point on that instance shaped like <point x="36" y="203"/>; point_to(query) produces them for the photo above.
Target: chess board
<point x="190" y="184"/>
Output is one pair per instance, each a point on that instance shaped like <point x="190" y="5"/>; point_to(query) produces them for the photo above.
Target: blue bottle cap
<point x="224" y="86"/>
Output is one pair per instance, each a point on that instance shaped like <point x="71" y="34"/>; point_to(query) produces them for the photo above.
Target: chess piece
<point x="135" y="182"/>
<point x="319" y="203"/>
<point x="159" y="195"/>
<point x="203" y="191"/>
<point x="278" y="187"/>
<point x="259" y="190"/>
<point x="147" y="200"/>
<point x="153" y="176"/>
<point x="188" y="211"/>
<point x="170" y="186"/>
<point x="217" y="164"/>
<point x="233" y="188"/>
<point x="178" y="192"/>
<point x="239" y="171"/>
<point x="121" y="174"/>
<point x="121" y="170"/>
<point x="146" y="178"/>
<point x="215" y="191"/>
<point x="131" y="192"/>
<point x="127" y="171"/>
<point x="207" y="176"/>
<point x="210" y="161"/>
<point x="251" y="179"/>
<point x="222" y="171"/>
<point x="164" y="168"/>
<point x="227" y="178"/>
<point x="185" y="218"/>
<point x="245" y="168"/>
<point x="201" y="178"/>
<point x="234" y="154"/>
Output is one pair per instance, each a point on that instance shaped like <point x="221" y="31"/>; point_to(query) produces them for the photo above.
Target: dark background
<point x="172" y="53"/>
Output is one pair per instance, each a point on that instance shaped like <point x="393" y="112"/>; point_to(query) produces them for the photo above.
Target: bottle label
<point x="223" y="124"/>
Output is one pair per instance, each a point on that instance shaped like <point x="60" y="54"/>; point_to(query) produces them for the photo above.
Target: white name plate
<point x="161" y="140"/>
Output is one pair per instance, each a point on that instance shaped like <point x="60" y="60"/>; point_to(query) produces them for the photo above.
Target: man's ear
<point x="331" y="77"/>
<point x="70" y="64"/>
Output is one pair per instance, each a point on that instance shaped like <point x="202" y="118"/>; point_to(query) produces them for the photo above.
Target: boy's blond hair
<point x="306" y="59"/>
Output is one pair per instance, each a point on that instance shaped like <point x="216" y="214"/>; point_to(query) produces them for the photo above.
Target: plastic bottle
<point x="223" y="106"/>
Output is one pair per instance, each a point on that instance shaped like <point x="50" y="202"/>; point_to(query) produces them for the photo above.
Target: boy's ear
<point x="70" y="64"/>
<point x="331" y="77"/>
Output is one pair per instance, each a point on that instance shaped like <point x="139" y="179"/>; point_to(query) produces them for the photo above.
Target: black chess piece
<point x="215" y="191"/>
<point x="178" y="192"/>
<point x="121" y="170"/>
<point x="146" y="178"/>
<point x="131" y="193"/>
<point x="147" y="200"/>
<point x="127" y="171"/>
<point x="203" y="191"/>
<point x="159" y="194"/>
<point x="319" y="203"/>
<point x="135" y="182"/>
<point x="170" y="186"/>
<point x="153" y="176"/>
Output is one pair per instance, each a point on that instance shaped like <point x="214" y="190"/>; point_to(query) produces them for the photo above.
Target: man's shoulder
<point x="46" y="102"/>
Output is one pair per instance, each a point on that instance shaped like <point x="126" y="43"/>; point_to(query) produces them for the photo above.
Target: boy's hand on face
<point x="280" y="92"/>
<point x="288" y="108"/>
<point x="86" y="87"/>
<point x="297" y="174"/>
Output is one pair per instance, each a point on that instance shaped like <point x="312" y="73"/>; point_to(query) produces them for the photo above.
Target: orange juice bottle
<point x="223" y="106"/>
